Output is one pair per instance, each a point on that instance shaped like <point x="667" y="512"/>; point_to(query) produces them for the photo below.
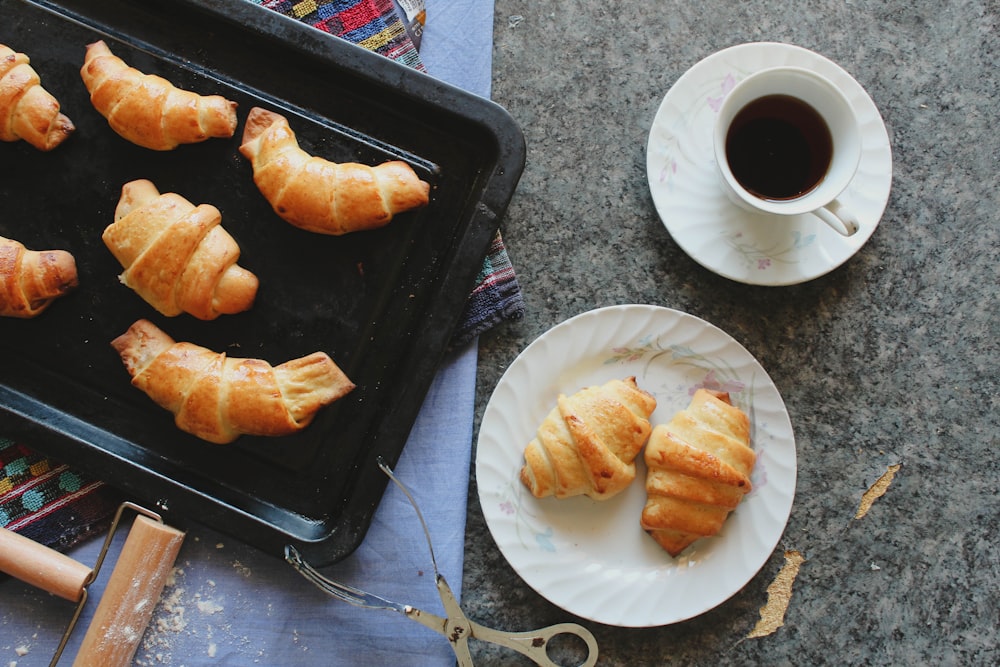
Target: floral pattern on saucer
<point x="787" y="251"/>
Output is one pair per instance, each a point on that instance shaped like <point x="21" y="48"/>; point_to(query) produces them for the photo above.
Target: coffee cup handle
<point x="839" y="217"/>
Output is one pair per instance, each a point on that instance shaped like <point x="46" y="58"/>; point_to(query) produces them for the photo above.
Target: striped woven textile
<point x="373" y="24"/>
<point x="59" y="507"/>
<point x="48" y="502"/>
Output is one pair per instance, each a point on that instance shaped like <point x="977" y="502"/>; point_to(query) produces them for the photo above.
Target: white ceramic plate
<point x="754" y="248"/>
<point x="591" y="557"/>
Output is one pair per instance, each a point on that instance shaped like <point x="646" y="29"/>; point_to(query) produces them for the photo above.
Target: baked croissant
<point x="218" y="398"/>
<point x="147" y="109"/>
<point x="176" y="255"/>
<point x="30" y="280"/>
<point x="588" y="443"/>
<point x="322" y="196"/>
<point x="27" y="110"/>
<point x="698" y="470"/>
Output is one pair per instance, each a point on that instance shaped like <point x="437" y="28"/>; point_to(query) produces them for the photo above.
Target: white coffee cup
<point x="773" y="147"/>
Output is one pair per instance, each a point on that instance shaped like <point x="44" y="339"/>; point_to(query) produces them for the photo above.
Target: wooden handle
<point x="41" y="566"/>
<point x="131" y="595"/>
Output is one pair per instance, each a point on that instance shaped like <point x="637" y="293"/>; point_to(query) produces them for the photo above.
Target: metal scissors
<point x="456" y="627"/>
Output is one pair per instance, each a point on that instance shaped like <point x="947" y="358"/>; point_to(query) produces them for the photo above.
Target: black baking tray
<point x="384" y="304"/>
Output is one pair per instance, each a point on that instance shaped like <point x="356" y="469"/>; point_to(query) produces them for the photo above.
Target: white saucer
<point x="747" y="247"/>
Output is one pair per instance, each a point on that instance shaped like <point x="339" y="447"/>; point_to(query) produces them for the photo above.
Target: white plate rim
<point x="718" y="235"/>
<point x="570" y="567"/>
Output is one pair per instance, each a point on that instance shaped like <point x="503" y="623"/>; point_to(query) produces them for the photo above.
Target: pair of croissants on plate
<point x="178" y="257"/>
<point x="698" y="464"/>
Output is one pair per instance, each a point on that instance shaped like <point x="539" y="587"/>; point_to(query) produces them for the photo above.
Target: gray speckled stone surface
<point x="891" y="358"/>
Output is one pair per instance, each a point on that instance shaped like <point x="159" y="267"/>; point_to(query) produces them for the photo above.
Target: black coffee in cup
<point x="778" y="147"/>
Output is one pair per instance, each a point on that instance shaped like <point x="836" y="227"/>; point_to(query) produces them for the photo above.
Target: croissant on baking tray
<point x="698" y="471"/>
<point x="176" y="255"/>
<point x="27" y="110"/>
<point x="588" y="443"/>
<point x="322" y="196"/>
<point x="147" y="109"/>
<point x="218" y="398"/>
<point x="30" y="280"/>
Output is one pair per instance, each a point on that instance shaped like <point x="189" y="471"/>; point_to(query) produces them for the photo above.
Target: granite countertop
<point x="888" y="360"/>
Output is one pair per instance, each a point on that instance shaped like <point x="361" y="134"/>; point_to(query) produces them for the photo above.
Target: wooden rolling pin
<point x="42" y="567"/>
<point x="131" y="595"/>
<point x="129" y="599"/>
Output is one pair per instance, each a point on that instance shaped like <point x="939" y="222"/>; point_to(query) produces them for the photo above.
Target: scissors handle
<point x="534" y="643"/>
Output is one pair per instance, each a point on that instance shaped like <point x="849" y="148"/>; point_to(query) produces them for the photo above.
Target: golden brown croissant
<point x="322" y="196"/>
<point x="698" y="470"/>
<point x="30" y="280"/>
<point x="147" y="109"/>
<point x="176" y="255"/>
<point x="218" y="398"/>
<point x="588" y="443"/>
<point x="27" y="110"/>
